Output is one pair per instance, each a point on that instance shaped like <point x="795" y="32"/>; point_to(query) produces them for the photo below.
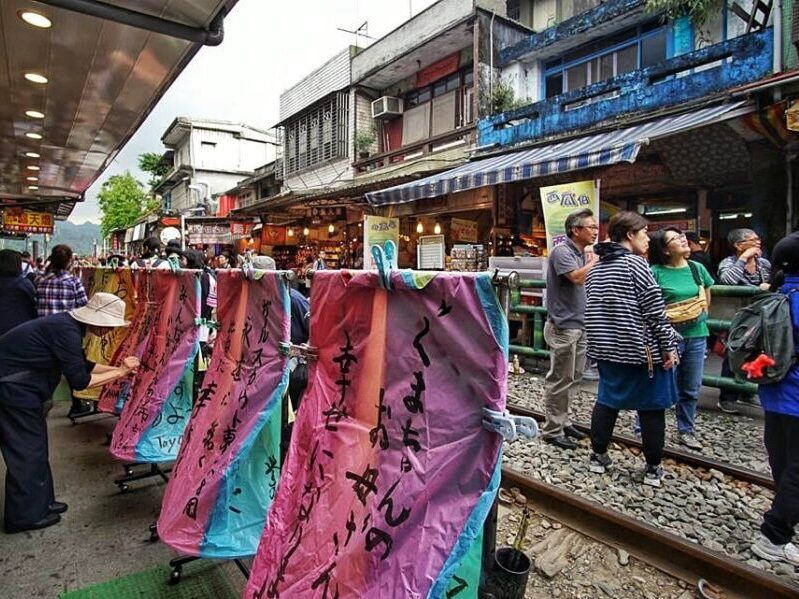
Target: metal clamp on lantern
<point x="509" y="426"/>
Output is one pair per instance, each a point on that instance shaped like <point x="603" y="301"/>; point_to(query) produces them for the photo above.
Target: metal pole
<point x="182" y="231"/>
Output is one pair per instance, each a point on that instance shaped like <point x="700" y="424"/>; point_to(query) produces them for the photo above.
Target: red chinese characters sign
<point x="241" y="229"/>
<point x="27" y="221"/>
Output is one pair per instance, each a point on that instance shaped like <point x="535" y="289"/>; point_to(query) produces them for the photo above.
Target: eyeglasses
<point x="751" y="240"/>
<point x="592" y="227"/>
<point x="678" y="237"/>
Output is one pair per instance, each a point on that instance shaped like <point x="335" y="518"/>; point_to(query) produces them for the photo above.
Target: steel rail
<point x="664" y="550"/>
<point x="684" y="457"/>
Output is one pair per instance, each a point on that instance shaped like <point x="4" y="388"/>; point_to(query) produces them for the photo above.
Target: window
<point x="514" y="9"/>
<point x="603" y="59"/>
<point x="317" y="135"/>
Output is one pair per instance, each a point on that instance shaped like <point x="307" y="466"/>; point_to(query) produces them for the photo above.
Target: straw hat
<point x="103" y="310"/>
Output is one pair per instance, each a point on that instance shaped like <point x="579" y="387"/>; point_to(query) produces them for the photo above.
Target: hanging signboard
<point x="27" y="221"/>
<point x="463" y="230"/>
<point x="241" y="229"/>
<point x="208" y="233"/>
<point x="376" y="231"/>
<point x="271" y="235"/>
<point x="558" y="201"/>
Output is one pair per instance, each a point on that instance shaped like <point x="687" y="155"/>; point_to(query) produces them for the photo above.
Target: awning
<point x="602" y="149"/>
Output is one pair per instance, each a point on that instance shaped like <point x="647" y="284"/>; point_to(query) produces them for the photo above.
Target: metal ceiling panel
<point x="104" y="79"/>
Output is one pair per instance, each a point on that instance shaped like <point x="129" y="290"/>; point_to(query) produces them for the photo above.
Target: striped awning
<point x="602" y="149"/>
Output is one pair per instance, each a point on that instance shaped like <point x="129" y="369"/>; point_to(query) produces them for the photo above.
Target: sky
<point x="269" y="46"/>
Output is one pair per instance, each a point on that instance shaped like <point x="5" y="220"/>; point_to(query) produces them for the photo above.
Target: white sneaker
<point x="591" y="374"/>
<point x="653" y="476"/>
<point x="689" y="440"/>
<point x="765" y="549"/>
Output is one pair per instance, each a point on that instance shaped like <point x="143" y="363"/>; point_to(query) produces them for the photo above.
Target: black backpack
<point x="763" y="327"/>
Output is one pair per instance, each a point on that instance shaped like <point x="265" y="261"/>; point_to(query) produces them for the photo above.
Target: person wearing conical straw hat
<point x="33" y="357"/>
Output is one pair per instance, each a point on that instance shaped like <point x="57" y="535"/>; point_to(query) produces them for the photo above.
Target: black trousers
<point x="29" y="482"/>
<point x="781" y="436"/>
<point x="653" y="431"/>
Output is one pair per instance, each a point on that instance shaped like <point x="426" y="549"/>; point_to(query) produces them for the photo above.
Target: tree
<point x="150" y="162"/>
<point x="122" y="201"/>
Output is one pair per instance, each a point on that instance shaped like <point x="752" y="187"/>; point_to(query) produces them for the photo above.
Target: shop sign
<point x="271" y="235"/>
<point x="558" y="201"/>
<point x="682" y="225"/>
<point x="463" y="230"/>
<point x="208" y="233"/>
<point x="376" y="231"/>
<point x="27" y="221"/>
<point x="241" y="229"/>
<point x="170" y="221"/>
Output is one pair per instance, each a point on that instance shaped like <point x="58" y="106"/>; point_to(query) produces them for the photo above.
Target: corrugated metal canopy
<point x="104" y="78"/>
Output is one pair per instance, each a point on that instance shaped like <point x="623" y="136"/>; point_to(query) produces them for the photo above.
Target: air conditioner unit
<point x="387" y="107"/>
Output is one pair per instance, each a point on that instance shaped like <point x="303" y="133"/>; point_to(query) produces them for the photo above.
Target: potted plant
<point x="364" y="139"/>
<point x="684" y="16"/>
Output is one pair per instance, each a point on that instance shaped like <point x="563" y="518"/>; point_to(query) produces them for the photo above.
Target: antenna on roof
<point x="362" y="31"/>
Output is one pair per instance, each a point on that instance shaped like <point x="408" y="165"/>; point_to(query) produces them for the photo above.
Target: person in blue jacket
<point x="780" y="403"/>
<point x="17" y="295"/>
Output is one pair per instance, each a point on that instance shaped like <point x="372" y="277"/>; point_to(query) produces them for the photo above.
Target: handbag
<point x="688" y="311"/>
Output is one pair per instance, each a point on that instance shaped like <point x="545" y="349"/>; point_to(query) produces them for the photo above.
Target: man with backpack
<point x="769" y="342"/>
<point x="746" y="267"/>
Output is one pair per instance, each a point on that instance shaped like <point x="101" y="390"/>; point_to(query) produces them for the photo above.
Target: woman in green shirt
<point x="682" y="280"/>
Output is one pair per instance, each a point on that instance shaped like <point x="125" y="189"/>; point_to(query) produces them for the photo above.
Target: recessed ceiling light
<point x="32" y="155"/>
<point x="33" y="167"/>
<point x="32" y="178"/>
<point x="35" y="78"/>
<point x="33" y="135"/>
<point x="32" y="187"/>
<point x="34" y="114"/>
<point x="35" y="19"/>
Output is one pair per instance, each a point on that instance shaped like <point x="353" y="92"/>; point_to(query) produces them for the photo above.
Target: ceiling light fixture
<point x="32" y="178"/>
<point x="290" y="232"/>
<point x="32" y="155"/>
<point x="33" y="167"/>
<point x="35" y="78"/>
<point x="32" y="187"/>
<point x="36" y="19"/>
<point x="306" y="231"/>
<point x="34" y="114"/>
<point x="33" y="135"/>
<point x="437" y="229"/>
<point x="331" y="229"/>
<point x="419" y="227"/>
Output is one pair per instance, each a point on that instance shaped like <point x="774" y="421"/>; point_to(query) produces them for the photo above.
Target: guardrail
<point x="509" y="287"/>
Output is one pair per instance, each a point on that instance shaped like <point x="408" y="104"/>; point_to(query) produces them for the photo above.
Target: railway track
<point x="684" y="457"/>
<point x="668" y="552"/>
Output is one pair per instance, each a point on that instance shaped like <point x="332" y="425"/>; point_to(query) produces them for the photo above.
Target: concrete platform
<point x="105" y="533"/>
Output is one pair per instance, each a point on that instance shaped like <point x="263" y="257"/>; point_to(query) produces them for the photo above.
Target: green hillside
<point x="79" y="237"/>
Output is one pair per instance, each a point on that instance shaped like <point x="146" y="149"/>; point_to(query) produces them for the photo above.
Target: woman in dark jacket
<point x="634" y="345"/>
<point x="780" y="403"/>
<point x="17" y="295"/>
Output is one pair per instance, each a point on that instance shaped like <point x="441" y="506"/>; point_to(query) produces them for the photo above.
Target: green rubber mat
<point x="200" y="580"/>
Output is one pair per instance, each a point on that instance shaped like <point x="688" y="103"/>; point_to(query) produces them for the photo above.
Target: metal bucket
<point x="508" y="578"/>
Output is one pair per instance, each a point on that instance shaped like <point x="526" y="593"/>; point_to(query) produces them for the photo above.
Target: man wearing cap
<point x="33" y="357"/>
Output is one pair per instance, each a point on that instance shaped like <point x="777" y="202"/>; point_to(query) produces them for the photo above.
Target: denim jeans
<point x="689" y="381"/>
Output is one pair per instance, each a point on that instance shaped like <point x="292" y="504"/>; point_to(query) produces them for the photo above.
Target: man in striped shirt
<point x="568" y="265"/>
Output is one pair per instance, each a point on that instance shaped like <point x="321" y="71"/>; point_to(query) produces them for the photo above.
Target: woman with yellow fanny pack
<point x="686" y="293"/>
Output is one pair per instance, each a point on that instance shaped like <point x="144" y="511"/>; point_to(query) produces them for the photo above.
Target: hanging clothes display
<point x="390" y="473"/>
<point x="226" y="473"/>
<point x="157" y="409"/>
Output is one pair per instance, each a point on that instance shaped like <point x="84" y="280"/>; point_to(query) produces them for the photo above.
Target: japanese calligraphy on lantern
<point x="156" y="412"/>
<point x="27" y="221"/>
<point x="388" y="453"/>
<point x="226" y="473"/>
<point x="558" y="201"/>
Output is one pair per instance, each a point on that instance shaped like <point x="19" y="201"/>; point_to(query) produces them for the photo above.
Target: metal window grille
<point x="317" y="135"/>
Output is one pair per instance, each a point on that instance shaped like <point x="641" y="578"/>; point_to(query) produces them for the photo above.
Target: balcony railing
<point x="463" y="135"/>
<point x="700" y="74"/>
